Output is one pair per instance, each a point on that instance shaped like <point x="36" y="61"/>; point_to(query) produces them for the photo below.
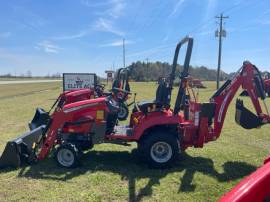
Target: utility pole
<point x="220" y="33"/>
<point x="147" y="69"/>
<point x="124" y="54"/>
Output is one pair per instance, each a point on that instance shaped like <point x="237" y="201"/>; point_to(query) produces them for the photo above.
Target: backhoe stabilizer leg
<point x="245" y="118"/>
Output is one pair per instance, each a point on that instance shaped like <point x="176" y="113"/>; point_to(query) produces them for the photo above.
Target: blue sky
<point x="86" y="35"/>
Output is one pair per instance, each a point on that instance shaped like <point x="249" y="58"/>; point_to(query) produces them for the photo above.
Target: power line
<point x="193" y="31"/>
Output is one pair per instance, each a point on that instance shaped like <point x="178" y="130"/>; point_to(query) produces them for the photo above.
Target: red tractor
<point x="67" y="97"/>
<point x="267" y="84"/>
<point x="196" y="83"/>
<point x="253" y="188"/>
<point x="160" y="131"/>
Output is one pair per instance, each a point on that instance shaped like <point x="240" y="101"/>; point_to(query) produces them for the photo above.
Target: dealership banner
<point x="73" y="81"/>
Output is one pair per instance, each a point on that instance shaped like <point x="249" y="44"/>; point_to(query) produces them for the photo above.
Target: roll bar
<point x="184" y="73"/>
<point x="189" y="42"/>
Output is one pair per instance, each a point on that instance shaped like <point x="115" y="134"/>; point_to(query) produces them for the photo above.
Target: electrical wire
<point x="194" y="31"/>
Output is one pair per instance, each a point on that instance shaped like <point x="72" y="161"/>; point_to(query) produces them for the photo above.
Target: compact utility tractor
<point x="160" y="131"/>
<point x="121" y="81"/>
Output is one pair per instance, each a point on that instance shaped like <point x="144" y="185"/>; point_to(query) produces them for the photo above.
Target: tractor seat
<point x="145" y="106"/>
<point x="162" y="100"/>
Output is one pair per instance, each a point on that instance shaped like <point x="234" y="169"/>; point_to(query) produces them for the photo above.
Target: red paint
<point x="195" y="131"/>
<point x="267" y="85"/>
<point x="254" y="188"/>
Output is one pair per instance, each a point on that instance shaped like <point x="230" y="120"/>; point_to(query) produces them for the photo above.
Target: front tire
<point x="67" y="155"/>
<point x="123" y="112"/>
<point x="160" y="149"/>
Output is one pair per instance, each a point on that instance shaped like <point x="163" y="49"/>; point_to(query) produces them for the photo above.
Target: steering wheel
<point x="120" y="94"/>
<point x="101" y="86"/>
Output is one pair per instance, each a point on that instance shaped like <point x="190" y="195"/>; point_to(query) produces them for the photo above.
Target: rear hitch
<point x="22" y="149"/>
<point x="245" y="118"/>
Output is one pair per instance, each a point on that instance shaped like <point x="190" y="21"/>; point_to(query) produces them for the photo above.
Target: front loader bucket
<point x="245" y="117"/>
<point x="41" y="117"/>
<point x="20" y="150"/>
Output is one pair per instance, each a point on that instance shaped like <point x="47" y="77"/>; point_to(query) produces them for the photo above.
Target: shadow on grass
<point x="131" y="169"/>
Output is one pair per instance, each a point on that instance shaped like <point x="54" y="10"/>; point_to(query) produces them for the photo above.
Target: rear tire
<point x="67" y="155"/>
<point x="123" y="112"/>
<point x="160" y="149"/>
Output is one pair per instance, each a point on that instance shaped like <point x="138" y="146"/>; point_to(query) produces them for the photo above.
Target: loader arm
<point x="84" y="109"/>
<point x="248" y="77"/>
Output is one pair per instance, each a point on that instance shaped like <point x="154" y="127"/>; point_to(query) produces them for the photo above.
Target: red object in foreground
<point x="267" y="86"/>
<point x="255" y="187"/>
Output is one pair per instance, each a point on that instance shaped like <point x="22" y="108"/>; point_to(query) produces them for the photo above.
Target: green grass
<point x="115" y="173"/>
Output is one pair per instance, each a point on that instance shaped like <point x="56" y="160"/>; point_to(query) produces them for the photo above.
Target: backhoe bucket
<point x="20" y="150"/>
<point x="245" y="117"/>
<point x="41" y="117"/>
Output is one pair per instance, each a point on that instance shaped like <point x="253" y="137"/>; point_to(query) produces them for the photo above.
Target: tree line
<point x="28" y="74"/>
<point x="142" y="71"/>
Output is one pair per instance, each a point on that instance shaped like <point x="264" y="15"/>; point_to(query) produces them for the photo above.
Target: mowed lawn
<point x="115" y="173"/>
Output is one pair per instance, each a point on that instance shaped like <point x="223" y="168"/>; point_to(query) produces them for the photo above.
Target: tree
<point x="139" y="72"/>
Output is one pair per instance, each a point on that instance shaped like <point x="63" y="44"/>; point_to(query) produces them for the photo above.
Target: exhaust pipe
<point x="245" y="117"/>
<point x="21" y="150"/>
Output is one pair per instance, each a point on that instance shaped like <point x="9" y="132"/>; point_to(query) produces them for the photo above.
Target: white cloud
<point x="113" y="8"/>
<point x="109" y="11"/>
<point x="104" y="25"/>
<point x="117" y="9"/>
<point x="117" y="43"/>
<point x="176" y="7"/>
<point x="80" y="34"/>
<point x="48" y="47"/>
<point x="5" y="34"/>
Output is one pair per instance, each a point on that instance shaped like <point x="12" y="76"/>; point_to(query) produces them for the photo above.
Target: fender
<point x="156" y="119"/>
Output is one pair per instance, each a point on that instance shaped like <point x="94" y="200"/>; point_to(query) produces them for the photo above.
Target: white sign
<point x="72" y="81"/>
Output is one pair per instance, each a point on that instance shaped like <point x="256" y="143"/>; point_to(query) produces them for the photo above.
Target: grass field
<point x="115" y="173"/>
